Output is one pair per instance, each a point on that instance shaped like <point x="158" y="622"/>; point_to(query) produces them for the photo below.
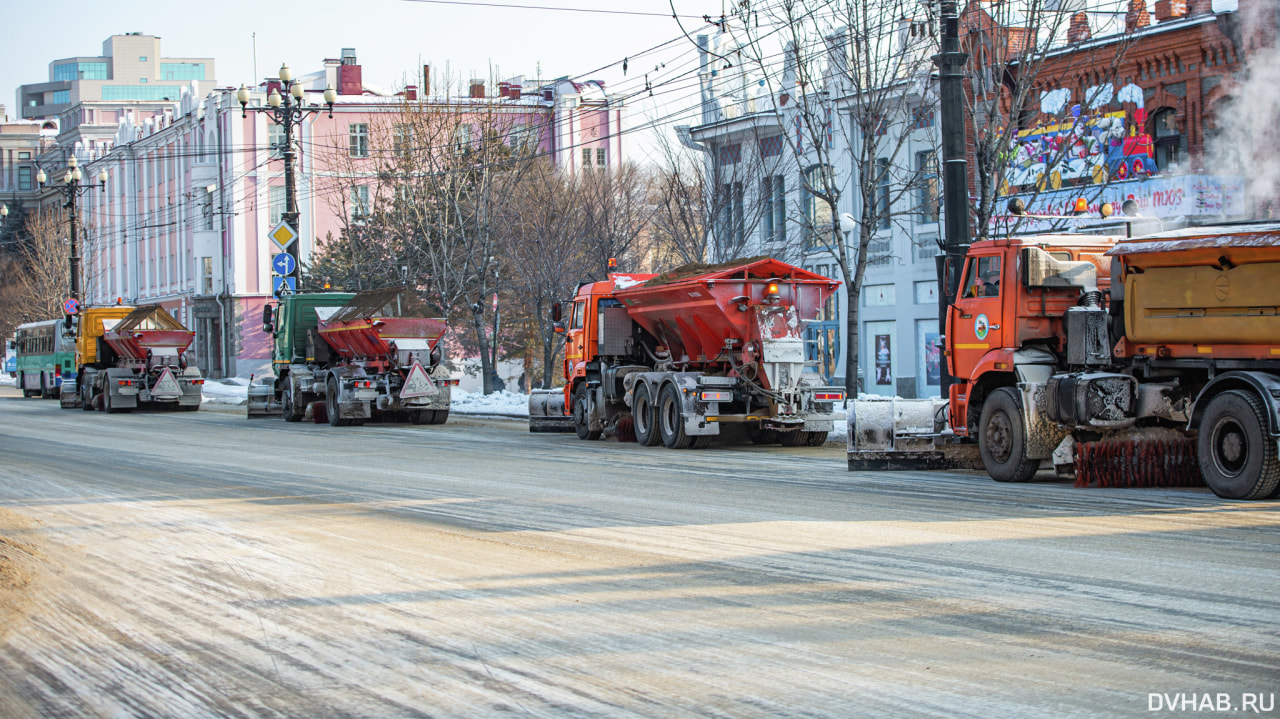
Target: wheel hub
<point x="999" y="436"/>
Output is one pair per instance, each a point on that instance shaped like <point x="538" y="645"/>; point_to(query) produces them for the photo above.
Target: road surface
<point x="201" y="564"/>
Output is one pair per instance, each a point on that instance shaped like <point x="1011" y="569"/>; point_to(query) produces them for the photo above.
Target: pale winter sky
<point x="391" y="39"/>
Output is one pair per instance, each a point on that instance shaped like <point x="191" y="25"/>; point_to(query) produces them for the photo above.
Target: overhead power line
<point x="555" y="9"/>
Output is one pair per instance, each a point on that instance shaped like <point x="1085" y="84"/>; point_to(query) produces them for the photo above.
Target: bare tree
<point x="680" y="225"/>
<point x="866" y="60"/>
<point x="45" y="266"/>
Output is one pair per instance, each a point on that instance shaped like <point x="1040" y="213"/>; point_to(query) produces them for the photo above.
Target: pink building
<point x="193" y="192"/>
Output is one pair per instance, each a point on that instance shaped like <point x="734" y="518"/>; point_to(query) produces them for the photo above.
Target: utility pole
<point x="955" y="181"/>
<point x="288" y="110"/>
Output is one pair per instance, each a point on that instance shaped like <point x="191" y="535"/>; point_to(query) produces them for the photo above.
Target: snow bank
<point x="503" y="402"/>
<point x="234" y="390"/>
<point x="6" y="379"/>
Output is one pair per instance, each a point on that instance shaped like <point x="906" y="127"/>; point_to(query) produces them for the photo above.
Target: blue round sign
<point x="71" y="305"/>
<point x="284" y="264"/>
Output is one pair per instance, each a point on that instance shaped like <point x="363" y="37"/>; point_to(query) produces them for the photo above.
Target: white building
<point x="756" y="162"/>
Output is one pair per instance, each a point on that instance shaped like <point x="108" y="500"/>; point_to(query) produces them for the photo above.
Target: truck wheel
<point x="796" y="438"/>
<point x="817" y="439"/>
<point x="441" y="416"/>
<point x="762" y="436"/>
<point x="86" y="396"/>
<point x="292" y="413"/>
<point x="647" y="434"/>
<point x="422" y="416"/>
<point x="671" y="419"/>
<point x="331" y="405"/>
<point x="582" y="416"/>
<point x="1002" y="441"/>
<point x="702" y="441"/>
<point x="106" y="403"/>
<point x="1237" y="458"/>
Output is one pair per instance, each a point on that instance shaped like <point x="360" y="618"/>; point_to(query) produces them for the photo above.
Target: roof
<point x="1244" y="235"/>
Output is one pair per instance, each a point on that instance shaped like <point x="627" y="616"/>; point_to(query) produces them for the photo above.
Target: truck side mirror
<point x="268" y="325"/>
<point x="558" y="327"/>
<point x="556" y="314"/>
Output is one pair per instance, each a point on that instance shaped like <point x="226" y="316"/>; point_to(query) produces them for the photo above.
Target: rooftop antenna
<point x="255" y="58"/>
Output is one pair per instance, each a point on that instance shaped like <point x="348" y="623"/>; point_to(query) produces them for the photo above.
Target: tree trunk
<point x="486" y="369"/>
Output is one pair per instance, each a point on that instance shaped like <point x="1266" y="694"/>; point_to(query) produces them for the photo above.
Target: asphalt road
<point x="201" y="564"/>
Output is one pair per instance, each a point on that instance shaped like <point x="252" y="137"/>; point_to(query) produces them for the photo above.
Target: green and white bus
<point x="45" y="356"/>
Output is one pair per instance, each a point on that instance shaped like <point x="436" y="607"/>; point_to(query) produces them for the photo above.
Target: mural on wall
<point x="933" y="359"/>
<point x="884" y="365"/>
<point x="1096" y="142"/>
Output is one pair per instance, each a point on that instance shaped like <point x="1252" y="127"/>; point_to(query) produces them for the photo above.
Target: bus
<point x="45" y="356"/>
<point x="11" y="357"/>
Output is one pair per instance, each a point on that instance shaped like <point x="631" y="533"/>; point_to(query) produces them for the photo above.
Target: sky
<point x="392" y="39"/>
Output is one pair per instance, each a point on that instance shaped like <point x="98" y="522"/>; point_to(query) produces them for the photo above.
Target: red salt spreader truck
<point x="671" y="358"/>
<point x="348" y="358"/>
<point x="132" y="358"/>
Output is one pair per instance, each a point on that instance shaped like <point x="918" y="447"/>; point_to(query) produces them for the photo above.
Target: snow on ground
<point x="234" y="390"/>
<point x="6" y="379"/>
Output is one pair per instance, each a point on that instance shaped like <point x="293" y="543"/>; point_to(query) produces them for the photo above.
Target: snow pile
<point x="233" y="390"/>
<point x="6" y="379"/>
<point x="504" y="402"/>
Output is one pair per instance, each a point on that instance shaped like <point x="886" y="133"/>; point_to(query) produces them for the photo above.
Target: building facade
<point x="194" y="191"/>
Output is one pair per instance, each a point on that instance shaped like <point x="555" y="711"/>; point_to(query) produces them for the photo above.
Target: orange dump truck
<point x="132" y="357"/>
<point x="1152" y="360"/>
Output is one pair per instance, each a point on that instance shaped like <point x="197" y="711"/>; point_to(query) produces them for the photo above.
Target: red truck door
<point x="975" y="319"/>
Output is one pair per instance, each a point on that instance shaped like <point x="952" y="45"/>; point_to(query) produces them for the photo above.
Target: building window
<point x="206" y="275"/>
<point x="921" y="117"/>
<point x="61" y="97"/>
<point x="142" y="80"/>
<point x="730" y="220"/>
<point x="586" y="158"/>
<point x="275" y="204"/>
<point x="927" y="186"/>
<point x="402" y="139"/>
<point x="600" y="157"/>
<point x="462" y="137"/>
<point x="817" y="211"/>
<point x="137" y="92"/>
<point x="142" y="58"/>
<point x="882" y="193"/>
<point x="730" y="154"/>
<point x="927" y="292"/>
<point x="1168" y="142"/>
<point x="359" y="203"/>
<point x="773" y="201"/>
<point x="206" y="209"/>
<point x="24" y="179"/>
<point x="359" y="139"/>
<point x="182" y="70"/>
<point x="771" y="146"/>
<point x="275" y="140"/>
<point x="879" y="296"/>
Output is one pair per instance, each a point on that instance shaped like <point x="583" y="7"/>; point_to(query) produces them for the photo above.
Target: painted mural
<point x="1091" y="143"/>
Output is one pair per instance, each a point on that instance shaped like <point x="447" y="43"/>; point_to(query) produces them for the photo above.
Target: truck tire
<point x="647" y="434"/>
<point x="106" y="403"/>
<point x="581" y="414"/>
<point x="671" y="419"/>
<point x="440" y="416"/>
<point x="422" y="416"/>
<point x="331" y="404"/>
<point x="762" y="436"/>
<point x="86" y="396"/>
<point x="1002" y="440"/>
<point x="794" y="438"/>
<point x="292" y="413"/>
<point x="1237" y="458"/>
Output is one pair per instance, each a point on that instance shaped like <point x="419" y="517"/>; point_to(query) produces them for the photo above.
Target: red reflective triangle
<point x="417" y="383"/>
<point x="166" y="386"/>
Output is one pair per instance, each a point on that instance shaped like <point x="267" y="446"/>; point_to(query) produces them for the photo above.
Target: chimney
<point x="350" y="81"/>
<point x="411" y="92"/>
<point x="426" y="81"/>
<point x="1137" y="17"/>
<point x="477" y="89"/>
<point x="1079" y="29"/>
<point x="1167" y="10"/>
<point x="331" y="66"/>
<point x="504" y="90"/>
<point x="1199" y="7"/>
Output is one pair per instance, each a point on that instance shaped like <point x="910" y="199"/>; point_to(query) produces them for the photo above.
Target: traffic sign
<point x="71" y="305"/>
<point x="289" y="285"/>
<point x="284" y="264"/>
<point x="283" y="235"/>
<point x="418" y="383"/>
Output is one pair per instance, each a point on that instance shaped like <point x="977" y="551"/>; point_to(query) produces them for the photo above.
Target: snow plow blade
<point x="905" y="434"/>
<point x="546" y="411"/>
<point x="262" y="400"/>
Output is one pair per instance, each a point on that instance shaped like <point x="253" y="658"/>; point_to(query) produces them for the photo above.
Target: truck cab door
<point x="575" y="339"/>
<point x="974" y="321"/>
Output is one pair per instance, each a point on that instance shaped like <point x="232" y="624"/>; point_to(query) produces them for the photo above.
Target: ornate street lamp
<point x="287" y="111"/>
<point x="72" y="190"/>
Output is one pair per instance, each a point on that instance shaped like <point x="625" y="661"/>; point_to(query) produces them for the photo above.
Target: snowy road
<point x="200" y="564"/>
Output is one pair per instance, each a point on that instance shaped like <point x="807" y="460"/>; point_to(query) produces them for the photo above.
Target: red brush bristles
<point x="1144" y="463"/>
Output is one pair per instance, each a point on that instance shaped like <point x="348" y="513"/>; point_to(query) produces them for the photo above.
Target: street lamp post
<point x="287" y="111"/>
<point x="72" y="190"/>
